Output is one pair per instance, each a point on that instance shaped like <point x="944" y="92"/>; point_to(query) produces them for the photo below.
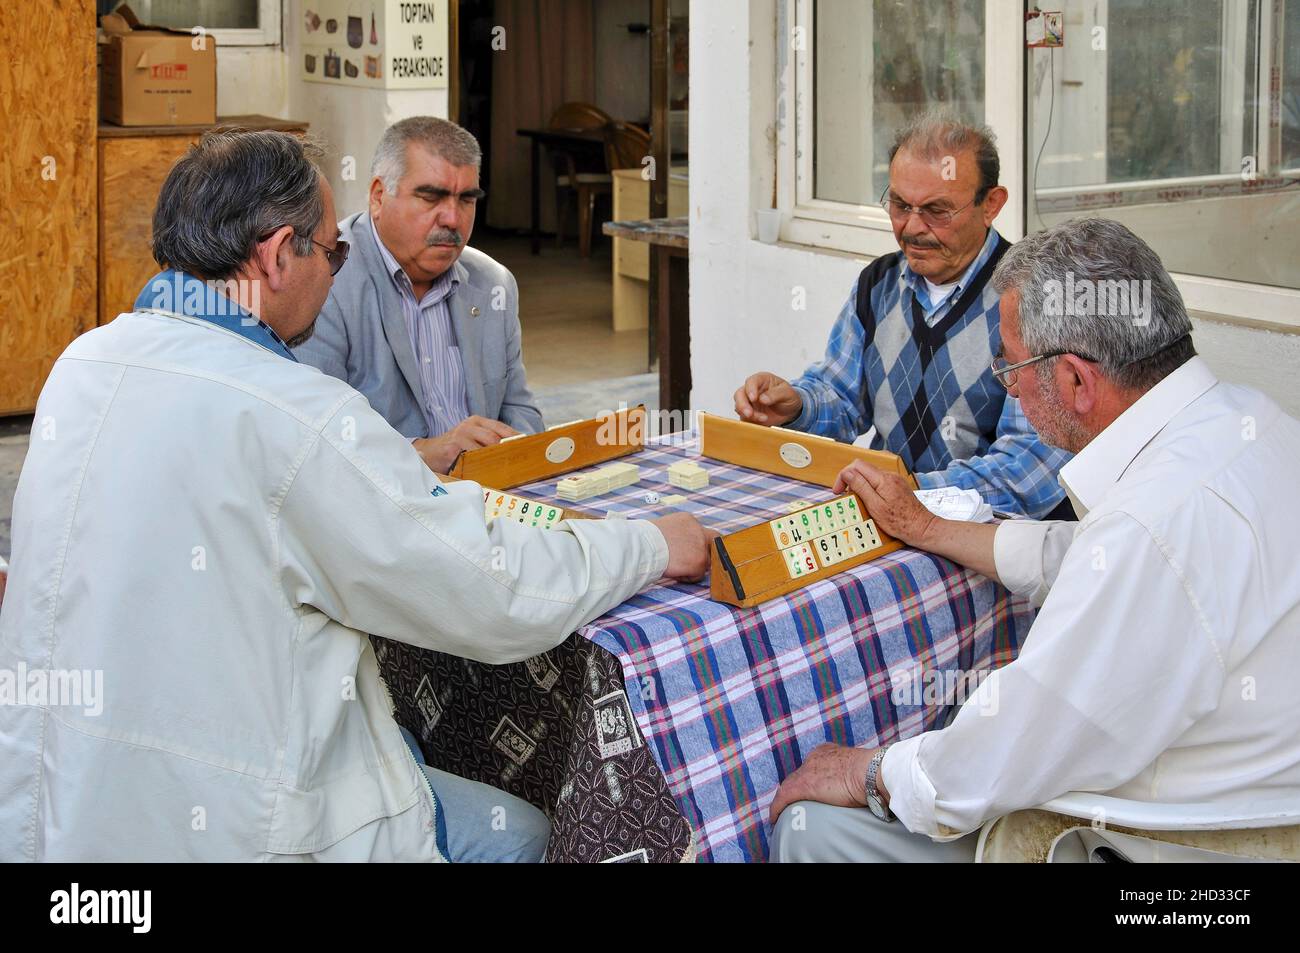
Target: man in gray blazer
<point x="424" y="326"/>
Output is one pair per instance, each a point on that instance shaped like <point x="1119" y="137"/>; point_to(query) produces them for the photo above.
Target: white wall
<point x="252" y="80"/>
<point x="348" y="120"/>
<point x="742" y="292"/>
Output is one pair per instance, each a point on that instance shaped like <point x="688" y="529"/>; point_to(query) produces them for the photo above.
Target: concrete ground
<point x="13" y="449"/>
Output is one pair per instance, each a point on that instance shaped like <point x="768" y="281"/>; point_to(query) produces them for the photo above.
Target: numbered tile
<point x="800" y="560"/>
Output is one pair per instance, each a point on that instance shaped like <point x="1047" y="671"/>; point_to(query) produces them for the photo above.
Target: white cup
<point x="769" y="225"/>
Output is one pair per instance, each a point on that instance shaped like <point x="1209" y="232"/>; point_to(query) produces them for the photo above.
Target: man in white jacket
<point x="205" y="532"/>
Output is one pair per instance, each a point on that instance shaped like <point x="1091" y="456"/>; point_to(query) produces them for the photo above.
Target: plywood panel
<point x="133" y="163"/>
<point x="132" y="171"/>
<point x="48" y="184"/>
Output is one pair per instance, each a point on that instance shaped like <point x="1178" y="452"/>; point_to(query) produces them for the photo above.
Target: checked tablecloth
<point x="661" y="731"/>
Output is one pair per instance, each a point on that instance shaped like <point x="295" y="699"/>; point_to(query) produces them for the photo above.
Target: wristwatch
<point x="874" y="800"/>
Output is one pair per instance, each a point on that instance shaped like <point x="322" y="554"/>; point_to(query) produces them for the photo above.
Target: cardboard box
<point x="153" y="76"/>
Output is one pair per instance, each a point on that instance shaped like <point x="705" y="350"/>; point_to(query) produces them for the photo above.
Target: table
<point x="582" y="143"/>
<point x="670" y="323"/>
<point x="661" y="731"/>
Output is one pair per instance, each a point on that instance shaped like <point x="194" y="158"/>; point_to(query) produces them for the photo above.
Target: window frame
<point x="865" y="231"/>
<point x="270" y="33"/>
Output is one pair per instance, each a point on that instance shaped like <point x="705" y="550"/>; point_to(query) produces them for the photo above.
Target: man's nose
<point x="915" y="226"/>
<point x="446" y="214"/>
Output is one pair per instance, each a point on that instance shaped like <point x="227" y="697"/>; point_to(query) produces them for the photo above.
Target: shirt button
<point x="428" y="360"/>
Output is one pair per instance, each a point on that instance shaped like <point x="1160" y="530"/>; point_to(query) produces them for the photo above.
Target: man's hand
<point x="440" y="453"/>
<point x="831" y="774"/>
<point x="688" y="546"/>
<point x="890" y="501"/>
<point x="767" y="399"/>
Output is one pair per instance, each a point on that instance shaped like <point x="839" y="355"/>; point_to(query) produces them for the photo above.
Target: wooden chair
<point x="572" y="176"/>
<point x="626" y="145"/>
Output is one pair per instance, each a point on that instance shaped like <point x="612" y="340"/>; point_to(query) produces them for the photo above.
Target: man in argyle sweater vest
<point x="910" y="352"/>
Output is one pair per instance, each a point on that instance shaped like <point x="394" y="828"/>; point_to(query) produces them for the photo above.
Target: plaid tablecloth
<point x="726" y="701"/>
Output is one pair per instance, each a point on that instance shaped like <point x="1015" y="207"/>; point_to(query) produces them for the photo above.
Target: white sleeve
<point x="370" y="537"/>
<point x="1119" y="663"/>
<point x="1027" y="554"/>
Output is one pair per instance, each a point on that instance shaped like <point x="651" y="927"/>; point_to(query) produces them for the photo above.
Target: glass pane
<point x="877" y="64"/>
<point x="1162" y="115"/>
<point x="210" y="14"/>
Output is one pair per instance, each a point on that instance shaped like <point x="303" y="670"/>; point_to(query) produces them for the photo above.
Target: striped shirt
<point x="433" y="339"/>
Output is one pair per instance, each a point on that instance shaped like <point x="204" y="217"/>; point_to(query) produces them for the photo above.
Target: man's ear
<point x="273" y="256"/>
<point x="1080" y="381"/>
<point x="376" y="196"/>
<point x="993" y="203"/>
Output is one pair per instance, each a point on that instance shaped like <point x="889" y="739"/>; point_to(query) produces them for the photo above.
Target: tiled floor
<point x="565" y="307"/>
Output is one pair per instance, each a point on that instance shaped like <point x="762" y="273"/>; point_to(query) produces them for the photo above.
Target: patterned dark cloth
<point x="729" y="700"/>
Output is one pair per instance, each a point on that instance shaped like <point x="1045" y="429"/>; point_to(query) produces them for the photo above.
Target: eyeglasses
<point x="939" y="217"/>
<point x="1007" y="374"/>
<point x="336" y="256"/>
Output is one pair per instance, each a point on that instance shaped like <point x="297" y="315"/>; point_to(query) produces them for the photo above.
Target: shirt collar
<point x="180" y="293"/>
<point x="1100" y="465"/>
<point x="443" y="285"/>
<point x="917" y="284"/>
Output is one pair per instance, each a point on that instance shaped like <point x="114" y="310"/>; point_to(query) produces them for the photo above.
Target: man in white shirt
<point x="1162" y="665"/>
<point x="209" y="533"/>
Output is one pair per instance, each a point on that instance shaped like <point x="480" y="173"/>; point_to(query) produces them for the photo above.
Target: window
<point x="856" y="70"/>
<point x="1180" y="120"/>
<point x="866" y="88"/>
<point x="1182" y="123"/>
<point x="231" y="22"/>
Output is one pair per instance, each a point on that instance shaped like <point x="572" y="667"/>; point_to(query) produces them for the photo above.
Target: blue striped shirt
<point x="433" y="339"/>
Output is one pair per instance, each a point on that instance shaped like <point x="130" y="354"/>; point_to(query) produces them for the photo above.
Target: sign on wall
<point x="386" y="44"/>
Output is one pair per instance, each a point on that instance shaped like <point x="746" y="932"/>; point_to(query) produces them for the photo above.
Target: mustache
<point x="444" y="236"/>
<point x="917" y="242"/>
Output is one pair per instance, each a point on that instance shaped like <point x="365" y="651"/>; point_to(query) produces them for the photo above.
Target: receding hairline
<point x="939" y="133"/>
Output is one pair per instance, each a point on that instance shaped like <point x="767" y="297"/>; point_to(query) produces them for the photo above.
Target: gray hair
<point x="440" y="136"/>
<point x="937" y="133"/>
<point x="228" y="192"/>
<point x="1081" y="285"/>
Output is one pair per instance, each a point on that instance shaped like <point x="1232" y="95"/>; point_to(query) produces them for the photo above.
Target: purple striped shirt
<point x="433" y="339"/>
